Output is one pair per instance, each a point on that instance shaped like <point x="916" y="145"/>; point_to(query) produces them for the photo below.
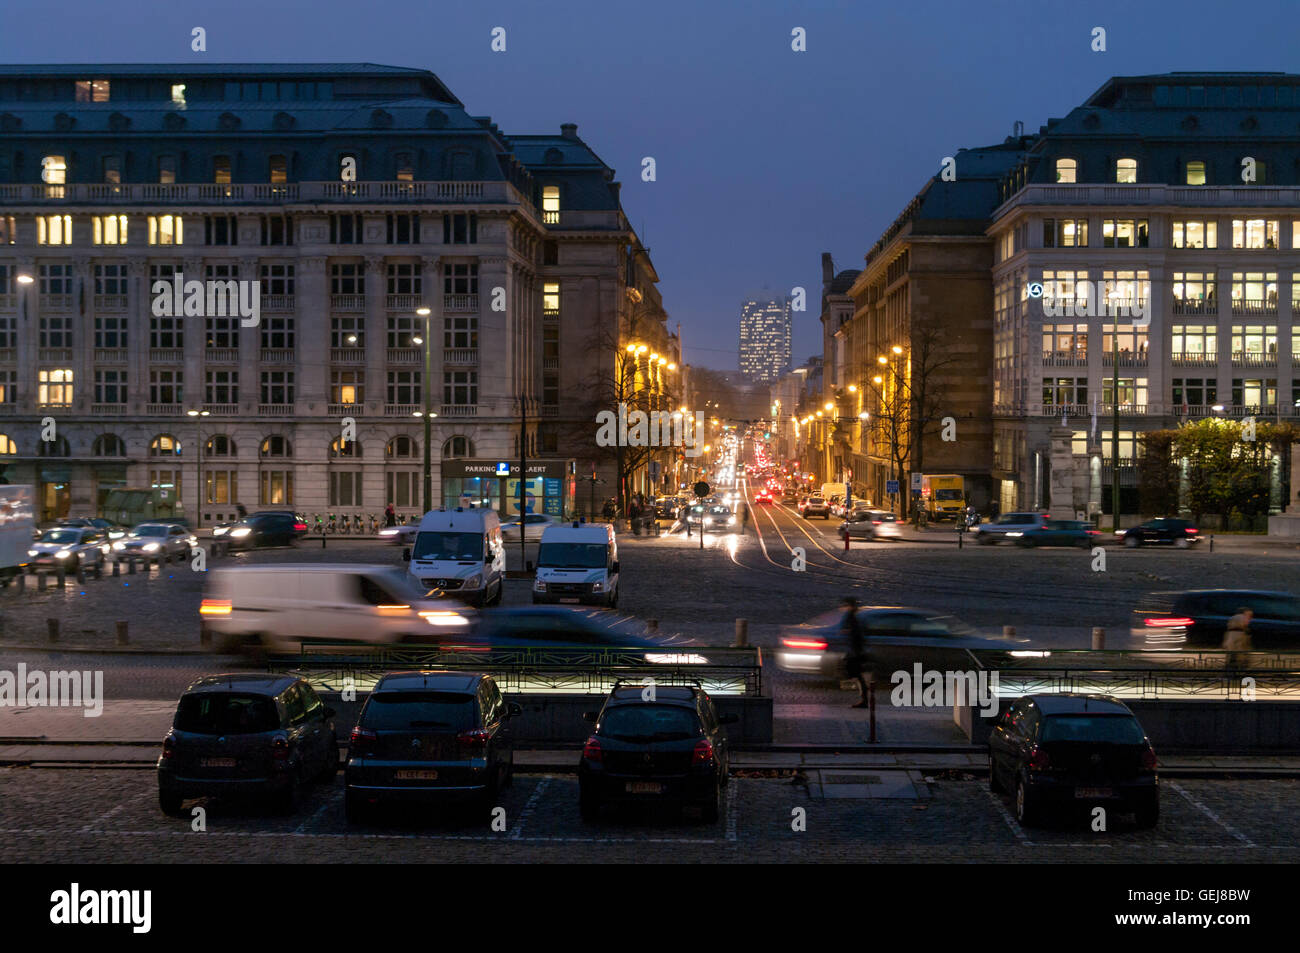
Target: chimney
<point x="569" y="130"/>
<point x="828" y="268"/>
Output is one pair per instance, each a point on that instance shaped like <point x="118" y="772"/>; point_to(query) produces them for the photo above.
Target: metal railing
<point x="348" y="302"/>
<point x="266" y="193"/>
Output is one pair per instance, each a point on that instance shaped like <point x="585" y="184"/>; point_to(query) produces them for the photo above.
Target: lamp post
<point x="427" y="390"/>
<point x="198" y="416"/>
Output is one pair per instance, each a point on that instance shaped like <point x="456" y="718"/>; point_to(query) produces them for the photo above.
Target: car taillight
<point x="1191" y="529"/>
<point x="362" y="735"/>
<point x="215" y="607"/>
<point x="591" y="750"/>
<point x="299" y="525"/>
<point x="1038" y="760"/>
<point x="1165" y="622"/>
<point x="815" y="644"/>
<point x="475" y="739"/>
<point x="1149" y="759"/>
<point x="703" y="752"/>
<point x="280" y="748"/>
<point x="169" y="748"/>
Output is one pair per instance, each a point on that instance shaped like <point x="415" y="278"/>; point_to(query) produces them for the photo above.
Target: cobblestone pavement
<point x="94" y="816"/>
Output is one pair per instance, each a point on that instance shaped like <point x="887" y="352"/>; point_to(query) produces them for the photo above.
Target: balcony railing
<point x="222" y="410"/>
<point x="1135" y="410"/>
<point x="221" y="355"/>
<point x="460" y="355"/>
<point x="275" y="410"/>
<point x="277" y="303"/>
<point x="347" y="355"/>
<point x="403" y="302"/>
<point x="583" y="219"/>
<point x="166" y="355"/>
<point x="213" y="194"/>
<point x="107" y="410"/>
<point x="346" y="410"/>
<point x="110" y="355"/>
<point x="348" y="302"/>
<point x="1195" y="306"/>
<point x="1065" y="358"/>
<point x="55" y="354"/>
<point x="277" y="355"/>
<point x="1195" y="358"/>
<point x="550" y="363"/>
<point x="1080" y="194"/>
<point x="405" y="355"/>
<point x="110" y="302"/>
<point x="164" y="410"/>
<point x="55" y="302"/>
<point x="1125" y="360"/>
<point x="550" y="410"/>
<point x="550" y="218"/>
<point x="550" y="314"/>
<point x="1254" y="306"/>
<point x="459" y="303"/>
<point x="1254" y="359"/>
<point x="1068" y="410"/>
<point x="402" y="410"/>
<point x="459" y="410"/>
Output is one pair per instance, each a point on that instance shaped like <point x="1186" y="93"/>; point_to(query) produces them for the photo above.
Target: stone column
<point x="376" y="335"/>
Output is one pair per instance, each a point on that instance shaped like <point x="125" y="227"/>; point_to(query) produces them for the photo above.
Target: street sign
<point x="916" y="483"/>
<point x="701" y="489"/>
<point x="503" y="469"/>
<point x="891" y="486"/>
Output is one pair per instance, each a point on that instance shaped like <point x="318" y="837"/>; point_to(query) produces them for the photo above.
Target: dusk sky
<point x="765" y="157"/>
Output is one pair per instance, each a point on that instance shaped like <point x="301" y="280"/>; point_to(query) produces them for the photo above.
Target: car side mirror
<point x="328" y="712"/>
<point x="514" y="710"/>
<point x="728" y="719"/>
<point x="406" y="555"/>
<point x="590" y="715"/>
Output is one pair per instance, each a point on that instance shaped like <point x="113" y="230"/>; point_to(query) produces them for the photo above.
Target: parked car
<point x="870" y="524"/>
<point x="157" y="539"/>
<point x="1063" y="752"/>
<point x="1169" y="532"/>
<point x="896" y="637"/>
<point x="430" y="738"/>
<point x="107" y="527"/>
<point x="1061" y="533"/>
<point x="267" y="528"/>
<point x="1197" y="618"/>
<point x="534" y="525"/>
<point x="246" y="736"/>
<point x="1009" y="527"/>
<point x="836" y="505"/>
<point x="69" y="546"/>
<point x="669" y="747"/>
<point x="816" y="506"/>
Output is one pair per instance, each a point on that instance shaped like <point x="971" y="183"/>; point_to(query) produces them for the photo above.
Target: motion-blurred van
<point x="460" y="552"/>
<point x="577" y="563"/>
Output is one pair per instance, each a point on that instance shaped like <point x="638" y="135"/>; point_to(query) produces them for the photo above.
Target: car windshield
<point x="816" y="499"/>
<point x="61" y="536"/>
<point x="947" y="494"/>
<point x="719" y="511"/>
<point x="1103" y="729"/>
<point x="572" y="555"/>
<point x="644" y="723"/>
<point x="149" y="529"/>
<point x="402" y="711"/>
<point x="462" y="546"/>
<point x="221" y="713"/>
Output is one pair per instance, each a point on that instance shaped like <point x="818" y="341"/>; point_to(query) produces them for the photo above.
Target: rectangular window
<point x="460" y="331"/>
<point x="54" y="229"/>
<point x="1065" y="233"/>
<point x="166" y="170"/>
<point x="347" y="279"/>
<point x="220" y="486"/>
<point x="460" y="387"/>
<point x="1195" y="172"/>
<point x="56" y="330"/>
<point x="222" y="332"/>
<point x="277" y="387"/>
<point x="277" y="229"/>
<point x="166" y="230"/>
<point x="278" y="331"/>
<point x="221" y="170"/>
<point x="110" y="386"/>
<point x="54" y="387"/>
<point x="93" y="90"/>
<point x="1254" y="341"/>
<point x="1126" y="171"/>
<point x="403" y="229"/>
<point x="277" y="279"/>
<point x="551" y="298"/>
<point x="403" y="328"/>
<point x="1254" y="291"/>
<point x="221" y="387"/>
<point x="165" y="387"/>
<point x="169" y="482"/>
<point x="110" y="331"/>
<point x="1254" y="394"/>
<point x="278" y="170"/>
<point x="55" y="279"/>
<point x="550" y="390"/>
<point x="345" y="488"/>
<point x="347" y="330"/>
<point x="1195" y="342"/>
<point x="1065" y="341"/>
<point x="551" y="204"/>
<point x="551" y="342"/>
<point x="109" y="229"/>
<point x="1194" y="392"/>
<point x="8" y="387"/>
<point x="404" y="387"/>
<point x="403" y="488"/>
<point x="349" y="387"/>
<point x="165" y="332"/>
<point x="460" y="279"/>
<point x="1132" y="391"/>
<point x="1125" y="289"/>
<point x="1065" y="391"/>
<point x="8" y="331"/>
<point x="1124" y="233"/>
<point x="346" y="229"/>
<point x="1191" y="287"/>
<point x="277" y="487"/>
<point x="1131" y="340"/>
<point x="8" y="230"/>
<point x="1254" y="233"/>
<point x="54" y="171"/>
<point x="460" y="229"/>
<point x="220" y="230"/>
<point x="404" y="279"/>
<point x="1195" y="234"/>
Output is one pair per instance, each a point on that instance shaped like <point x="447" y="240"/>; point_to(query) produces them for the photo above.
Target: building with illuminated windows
<point x="764" y="338"/>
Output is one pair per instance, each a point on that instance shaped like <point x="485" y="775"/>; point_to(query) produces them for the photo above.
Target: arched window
<point x="458" y="447"/>
<point x="1067" y="170"/>
<point x="400" y="447"/>
<point x="220" y="445"/>
<point x="164" y="445"/>
<point x="108" y="445"/>
<point x="7" y="444"/>
<point x="276" y="445"/>
<point x="58" y="447"/>
<point x="1126" y="170"/>
<point x="340" y="449"/>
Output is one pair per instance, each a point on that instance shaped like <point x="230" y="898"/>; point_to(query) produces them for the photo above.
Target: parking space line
<point x="1196" y="803"/>
<point x="330" y="800"/>
<point x="529" y="807"/>
<point x="90" y="825"/>
<point x="1011" y="823"/>
<point x="731" y="810"/>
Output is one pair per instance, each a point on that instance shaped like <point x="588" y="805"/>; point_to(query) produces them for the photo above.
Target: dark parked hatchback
<point x="246" y="736"/>
<point x="1161" y="532"/>
<point x="430" y="737"/>
<point x="1071" y="751"/>
<point x="1197" y="618"/>
<point x="668" y="746"/>
<point x="272" y="528"/>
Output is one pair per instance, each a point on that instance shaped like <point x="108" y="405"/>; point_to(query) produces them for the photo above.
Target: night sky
<point x="765" y="157"/>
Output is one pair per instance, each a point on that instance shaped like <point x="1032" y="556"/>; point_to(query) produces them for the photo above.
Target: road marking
<point x="1011" y="823"/>
<point x="90" y="825"/>
<point x="1196" y="803"/>
<point x="529" y="806"/>
<point x="329" y="801"/>
<point x="731" y="810"/>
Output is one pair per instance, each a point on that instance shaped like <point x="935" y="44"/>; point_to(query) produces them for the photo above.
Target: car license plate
<point x="644" y="787"/>
<point x="417" y="775"/>
<point x="217" y="762"/>
<point x="1093" y="792"/>
<point x="569" y="600"/>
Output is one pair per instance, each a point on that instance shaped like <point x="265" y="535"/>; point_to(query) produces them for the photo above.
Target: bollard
<point x="81" y="574"/>
<point x="117" y="567"/>
<point x="961" y="534"/>
<point x="121" y="633"/>
<point x="1008" y="631"/>
<point x="1211" y="542"/>
<point x="41" y="580"/>
<point x="52" y="627"/>
<point x="742" y="633"/>
<point x="63" y="576"/>
<point x="1098" y="638"/>
<point x="871" y="708"/>
<point x="22" y="582"/>
<point x="846" y="539"/>
<point x="130" y="566"/>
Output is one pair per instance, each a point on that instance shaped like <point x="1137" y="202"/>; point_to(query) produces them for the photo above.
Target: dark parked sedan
<point x="1167" y="532"/>
<point x="246" y="736"/>
<point x="668" y="747"/>
<point x="1061" y="533"/>
<point x="272" y="528"/>
<point x="1070" y="751"/>
<point x="1197" y="618"/>
<point x="430" y="737"/>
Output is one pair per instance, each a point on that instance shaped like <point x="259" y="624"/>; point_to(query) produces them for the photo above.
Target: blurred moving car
<point x="533" y="526"/>
<point x="267" y="528"/>
<point x="870" y="524"/>
<point x="274" y="607"/>
<point x="430" y="737"/>
<point x="107" y="527"/>
<point x="402" y="534"/>
<point x="157" y="539"/>
<point x="1009" y="527"/>
<point x="69" y="546"/>
<point x="763" y="496"/>
<point x="715" y="519"/>
<point x="561" y="625"/>
<point x="815" y="506"/>
<point x="1064" y="752"/>
<point x="1168" y="532"/>
<point x="789" y="499"/>
<point x="1061" y="533"/>
<point x="246" y="736"/>
<point x="896" y="637"/>
<point x="668" y="748"/>
<point x="1197" y="618"/>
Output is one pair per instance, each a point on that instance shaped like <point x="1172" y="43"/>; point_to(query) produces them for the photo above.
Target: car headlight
<point x="63" y="554"/>
<point x="194" y="540"/>
<point x="221" y="531"/>
<point x="731" y="521"/>
<point x="150" y="547"/>
<point x="118" y="547"/>
<point x="443" y="618"/>
<point x="473" y="582"/>
<point x="32" y="552"/>
<point x="241" y="532"/>
<point x="539" y="586"/>
<point x="597" y="587"/>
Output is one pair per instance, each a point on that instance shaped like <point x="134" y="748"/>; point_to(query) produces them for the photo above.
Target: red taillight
<point x="1094" y="532"/>
<point x="360" y="735"/>
<point x="280" y="749"/>
<point x="591" y="750"/>
<point x="876" y="522"/>
<point x="299" y="525"/>
<point x="1038" y="760"/>
<point x="703" y="752"/>
<point x="815" y="644"/>
<point x="1191" y="529"/>
<point x="476" y="739"/>
<point x="1149" y="759"/>
<point x="1167" y="622"/>
<point x="169" y="748"/>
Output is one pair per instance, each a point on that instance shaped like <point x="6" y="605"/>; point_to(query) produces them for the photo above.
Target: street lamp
<point x="427" y="390"/>
<point x="198" y="462"/>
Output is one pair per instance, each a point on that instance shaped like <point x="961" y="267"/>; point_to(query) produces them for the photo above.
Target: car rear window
<point x="645" y="723"/>
<point x="1105" y="729"/>
<point x="399" y="711"/>
<point x="213" y="713"/>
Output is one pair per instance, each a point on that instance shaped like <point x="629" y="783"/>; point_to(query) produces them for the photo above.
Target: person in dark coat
<point x="390" y="515"/>
<point x="855" y="659"/>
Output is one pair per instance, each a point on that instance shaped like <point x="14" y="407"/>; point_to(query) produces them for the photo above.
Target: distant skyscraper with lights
<point x="765" y="338"/>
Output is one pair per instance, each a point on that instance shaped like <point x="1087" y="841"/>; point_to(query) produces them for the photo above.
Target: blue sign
<point x="891" y="486"/>
<point x="503" y="469"/>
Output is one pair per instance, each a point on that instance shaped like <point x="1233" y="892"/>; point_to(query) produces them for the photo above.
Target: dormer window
<point x="1195" y="172"/>
<point x="551" y="204"/>
<point x="1067" y="171"/>
<point x="1126" y="171"/>
<point x="178" y="94"/>
<point x="92" y="90"/>
<point x="166" y="170"/>
<point x="279" y="170"/>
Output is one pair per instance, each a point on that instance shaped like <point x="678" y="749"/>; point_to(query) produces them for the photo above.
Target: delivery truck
<point x="17" y="528"/>
<point x="944" y="495"/>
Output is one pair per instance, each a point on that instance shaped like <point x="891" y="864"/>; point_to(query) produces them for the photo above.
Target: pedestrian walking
<point x="1236" y="637"/>
<point x="390" y="515"/>
<point x="855" y="660"/>
<point x="744" y="517"/>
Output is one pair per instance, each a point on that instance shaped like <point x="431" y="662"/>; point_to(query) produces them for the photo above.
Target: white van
<point x="460" y="552"/>
<point x="275" y="606"/>
<point x="577" y="563"/>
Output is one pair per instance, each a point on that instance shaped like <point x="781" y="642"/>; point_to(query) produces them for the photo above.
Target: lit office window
<point x="1067" y="170"/>
<point x="54" y="170"/>
<point x="1126" y="171"/>
<point x="165" y="230"/>
<point x="54" y="387"/>
<point x="54" y="229"/>
<point x="166" y="170"/>
<point x="92" y="90"/>
<point x="551" y="204"/>
<point x="178" y="94"/>
<point x="1196" y="173"/>
<point x="110" y="229"/>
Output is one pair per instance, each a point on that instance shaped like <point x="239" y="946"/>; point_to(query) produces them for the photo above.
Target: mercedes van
<point x="577" y="563"/>
<point x="460" y="552"/>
